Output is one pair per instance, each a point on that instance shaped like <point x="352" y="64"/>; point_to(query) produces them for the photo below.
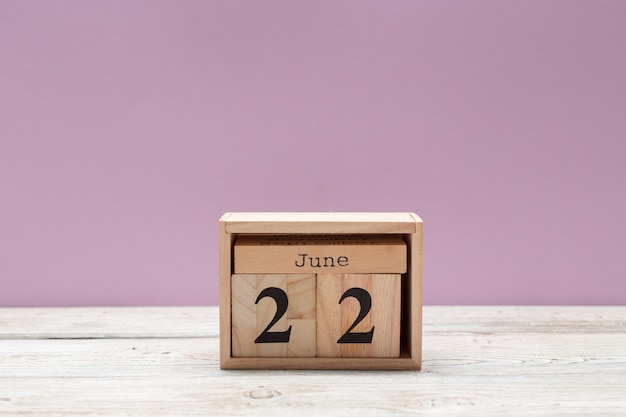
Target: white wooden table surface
<point x="164" y="361"/>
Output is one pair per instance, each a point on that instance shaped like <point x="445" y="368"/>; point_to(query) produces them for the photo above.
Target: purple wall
<point x="128" y="127"/>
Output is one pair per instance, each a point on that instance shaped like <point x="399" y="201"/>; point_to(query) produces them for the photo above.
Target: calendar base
<point x="256" y="314"/>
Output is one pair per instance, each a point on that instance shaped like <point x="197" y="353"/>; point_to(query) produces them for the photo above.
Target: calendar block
<point x="359" y="315"/>
<point x="320" y="291"/>
<point x="320" y="254"/>
<point x="273" y="315"/>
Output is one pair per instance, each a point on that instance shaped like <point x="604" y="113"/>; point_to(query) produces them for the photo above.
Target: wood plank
<point x="226" y="241"/>
<point x="556" y="370"/>
<point x="525" y="319"/>
<point x="348" y="223"/>
<point x="412" y="305"/>
<point x="296" y="254"/>
<point x="478" y="361"/>
<point x="108" y="322"/>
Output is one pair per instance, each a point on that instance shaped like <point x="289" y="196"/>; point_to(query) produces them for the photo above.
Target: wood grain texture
<point x="301" y="290"/>
<point x="334" y="319"/>
<point x="412" y="298"/>
<point x="225" y="240"/>
<point x="313" y="254"/>
<point x="108" y="323"/>
<point x="407" y="226"/>
<point x="478" y="361"/>
<point x="250" y="318"/>
<point x="321" y="223"/>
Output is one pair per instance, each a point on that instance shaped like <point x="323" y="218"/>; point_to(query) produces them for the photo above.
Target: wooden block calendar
<point x="320" y="291"/>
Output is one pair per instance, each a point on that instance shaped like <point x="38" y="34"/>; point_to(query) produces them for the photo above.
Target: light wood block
<point x="320" y="254"/>
<point x="257" y="300"/>
<point x="320" y="223"/>
<point x="302" y="343"/>
<point x="375" y="298"/>
<point x="405" y="349"/>
<point x="302" y="297"/>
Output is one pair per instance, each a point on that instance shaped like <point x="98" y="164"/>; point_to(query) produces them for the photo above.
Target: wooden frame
<point x="407" y="225"/>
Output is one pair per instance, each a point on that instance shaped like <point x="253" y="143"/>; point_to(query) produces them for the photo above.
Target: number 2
<point x="282" y="302"/>
<point x="365" y="302"/>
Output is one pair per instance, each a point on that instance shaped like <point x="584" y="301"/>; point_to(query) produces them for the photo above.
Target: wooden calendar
<point x="320" y="291"/>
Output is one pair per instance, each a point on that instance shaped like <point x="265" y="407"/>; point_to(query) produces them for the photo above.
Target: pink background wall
<point x="128" y="127"/>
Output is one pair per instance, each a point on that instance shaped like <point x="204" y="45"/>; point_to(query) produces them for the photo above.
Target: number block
<point x="358" y="315"/>
<point x="273" y="315"/>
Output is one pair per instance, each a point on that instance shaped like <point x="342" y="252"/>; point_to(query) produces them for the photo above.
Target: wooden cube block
<point x="273" y="315"/>
<point x="358" y="315"/>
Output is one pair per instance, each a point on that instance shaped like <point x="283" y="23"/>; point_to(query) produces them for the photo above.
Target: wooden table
<point x="164" y="361"/>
